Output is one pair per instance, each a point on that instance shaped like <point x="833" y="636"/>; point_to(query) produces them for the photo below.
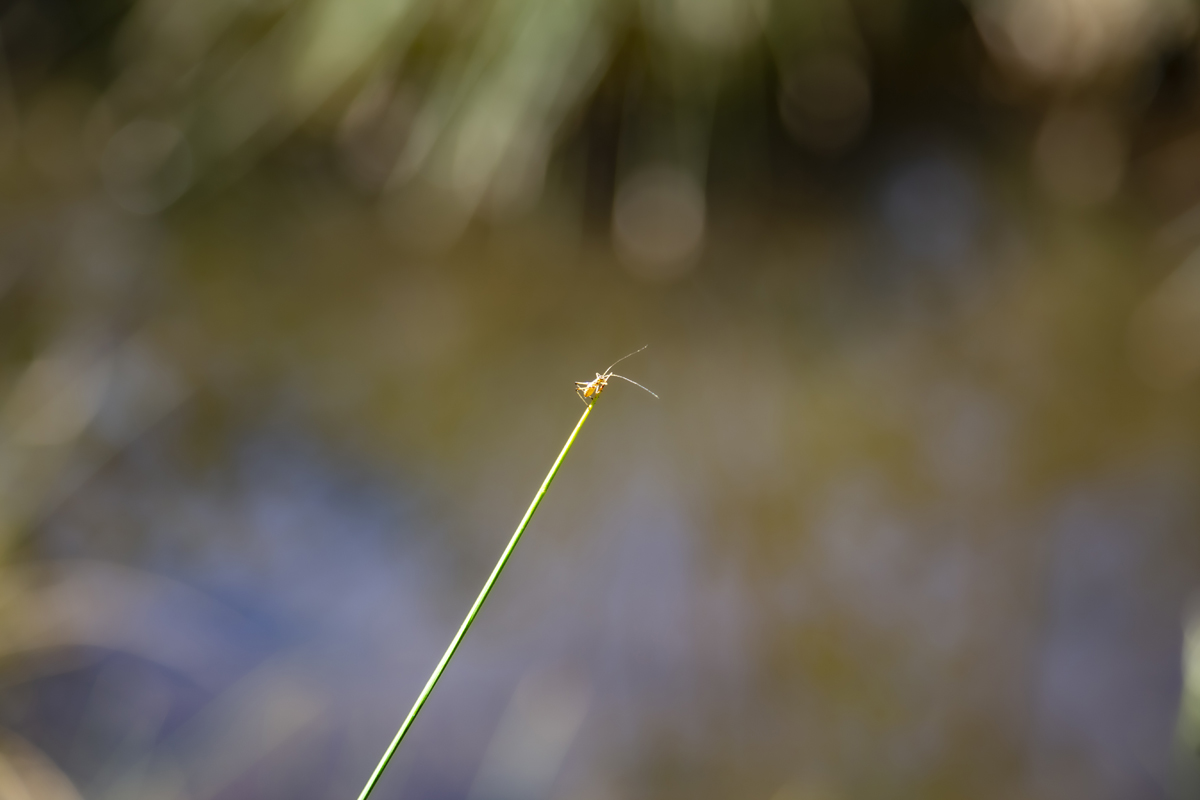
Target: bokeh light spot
<point x="658" y="222"/>
<point x="718" y="24"/>
<point x="825" y="102"/>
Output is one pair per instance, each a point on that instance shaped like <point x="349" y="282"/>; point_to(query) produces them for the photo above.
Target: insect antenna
<point x="622" y="358"/>
<point x="635" y="383"/>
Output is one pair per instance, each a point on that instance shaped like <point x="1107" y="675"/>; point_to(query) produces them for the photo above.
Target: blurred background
<point x="293" y="294"/>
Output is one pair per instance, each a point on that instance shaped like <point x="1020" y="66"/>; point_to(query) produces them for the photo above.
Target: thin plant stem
<point x="462" y="631"/>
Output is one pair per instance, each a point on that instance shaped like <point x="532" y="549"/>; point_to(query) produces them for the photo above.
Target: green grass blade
<point x="462" y="631"/>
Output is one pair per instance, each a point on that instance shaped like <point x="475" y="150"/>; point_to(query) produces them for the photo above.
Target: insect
<point x="588" y="391"/>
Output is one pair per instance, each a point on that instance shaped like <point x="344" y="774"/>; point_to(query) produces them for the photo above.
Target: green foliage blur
<point x="293" y="294"/>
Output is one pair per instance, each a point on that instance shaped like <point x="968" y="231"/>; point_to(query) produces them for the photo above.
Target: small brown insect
<point x="588" y="391"/>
